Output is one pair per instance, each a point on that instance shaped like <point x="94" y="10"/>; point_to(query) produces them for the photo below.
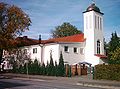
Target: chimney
<point x="39" y="39"/>
<point x="25" y="37"/>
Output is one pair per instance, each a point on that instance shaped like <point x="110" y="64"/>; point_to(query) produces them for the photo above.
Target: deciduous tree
<point x="13" y="21"/>
<point x="66" y="29"/>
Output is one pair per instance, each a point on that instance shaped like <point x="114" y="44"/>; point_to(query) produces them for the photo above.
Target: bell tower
<point x="93" y="33"/>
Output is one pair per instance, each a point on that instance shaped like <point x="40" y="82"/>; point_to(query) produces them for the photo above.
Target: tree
<point x="13" y="21"/>
<point x="66" y="29"/>
<point x="113" y="44"/>
<point x="115" y="56"/>
<point x="56" y="69"/>
<point x="51" y="66"/>
<point x="43" y="69"/>
<point x="61" y="69"/>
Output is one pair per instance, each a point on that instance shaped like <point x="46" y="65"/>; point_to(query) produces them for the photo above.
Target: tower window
<point x="95" y="21"/>
<point x="98" y="47"/>
<point x="90" y="21"/>
<point x="98" y="22"/>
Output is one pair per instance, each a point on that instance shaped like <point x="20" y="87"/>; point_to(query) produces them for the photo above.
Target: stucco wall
<point x="54" y="49"/>
<point x="71" y="57"/>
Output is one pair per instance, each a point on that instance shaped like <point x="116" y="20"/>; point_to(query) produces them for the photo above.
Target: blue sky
<point x="47" y="14"/>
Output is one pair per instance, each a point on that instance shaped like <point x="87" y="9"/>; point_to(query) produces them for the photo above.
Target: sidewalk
<point x="77" y="80"/>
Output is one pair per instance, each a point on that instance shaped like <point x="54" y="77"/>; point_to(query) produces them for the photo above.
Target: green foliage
<point x="66" y="29"/>
<point x="36" y="68"/>
<point x="56" y="69"/>
<point x="51" y="66"/>
<point x="47" y="69"/>
<point x="115" y="56"/>
<point x="114" y="43"/>
<point x="113" y="46"/>
<point x="109" y="72"/>
<point x="61" y="69"/>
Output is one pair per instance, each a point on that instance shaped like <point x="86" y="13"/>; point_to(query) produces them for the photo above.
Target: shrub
<point x="109" y="72"/>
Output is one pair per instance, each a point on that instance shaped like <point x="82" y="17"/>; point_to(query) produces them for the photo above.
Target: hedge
<point x="108" y="72"/>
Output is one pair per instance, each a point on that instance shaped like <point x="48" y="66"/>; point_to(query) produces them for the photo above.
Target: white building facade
<point x="87" y="47"/>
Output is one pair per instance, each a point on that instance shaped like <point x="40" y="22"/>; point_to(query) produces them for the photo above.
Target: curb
<point x="97" y="86"/>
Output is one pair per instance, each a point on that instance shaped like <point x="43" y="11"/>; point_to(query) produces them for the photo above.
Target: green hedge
<point x="109" y="72"/>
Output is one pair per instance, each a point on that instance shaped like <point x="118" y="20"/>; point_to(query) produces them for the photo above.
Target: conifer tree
<point x="51" y="66"/>
<point x="61" y="69"/>
<point x="113" y="44"/>
<point x="47" y="68"/>
<point x="115" y="56"/>
<point x="56" y="69"/>
<point x="43" y="69"/>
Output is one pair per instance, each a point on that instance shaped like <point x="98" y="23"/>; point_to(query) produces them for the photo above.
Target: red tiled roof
<point x="101" y="56"/>
<point x="73" y="38"/>
<point x="25" y="41"/>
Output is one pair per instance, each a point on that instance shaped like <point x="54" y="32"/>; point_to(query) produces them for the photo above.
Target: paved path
<point x="81" y="80"/>
<point x="25" y="83"/>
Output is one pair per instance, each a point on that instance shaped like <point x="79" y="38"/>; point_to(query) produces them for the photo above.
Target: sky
<point x="47" y="14"/>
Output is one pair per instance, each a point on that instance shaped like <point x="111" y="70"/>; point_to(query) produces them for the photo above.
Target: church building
<point x="85" y="47"/>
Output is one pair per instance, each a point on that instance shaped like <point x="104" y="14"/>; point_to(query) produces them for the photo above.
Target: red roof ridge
<point x="72" y="38"/>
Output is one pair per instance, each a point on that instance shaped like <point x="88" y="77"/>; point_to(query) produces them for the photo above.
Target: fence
<point x="75" y="70"/>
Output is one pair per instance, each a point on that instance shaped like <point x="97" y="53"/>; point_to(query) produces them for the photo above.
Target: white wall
<point x="71" y="57"/>
<point x="37" y="55"/>
<point x="92" y="34"/>
<point x="54" y="49"/>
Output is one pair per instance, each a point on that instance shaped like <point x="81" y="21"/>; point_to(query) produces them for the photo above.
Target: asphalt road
<point x="6" y="83"/>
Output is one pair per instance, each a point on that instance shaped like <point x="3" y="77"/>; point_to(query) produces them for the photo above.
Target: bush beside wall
<point x="109" y="72"/>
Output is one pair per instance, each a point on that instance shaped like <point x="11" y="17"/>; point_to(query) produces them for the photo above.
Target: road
<point x="24" y="83"/>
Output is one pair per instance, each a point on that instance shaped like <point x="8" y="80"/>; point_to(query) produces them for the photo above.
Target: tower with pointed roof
<point x="93" y="33"/>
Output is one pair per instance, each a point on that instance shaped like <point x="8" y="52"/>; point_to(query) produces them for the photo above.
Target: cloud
<point x="47" y="14"/>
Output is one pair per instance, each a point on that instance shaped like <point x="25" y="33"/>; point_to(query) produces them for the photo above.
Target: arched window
<point x="98" y="47"/>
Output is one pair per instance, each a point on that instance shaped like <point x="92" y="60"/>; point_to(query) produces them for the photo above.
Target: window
<point x="81" y="51"/>
<point x="100" y="24"/>
<point x="90" y="21"/>
<point x="34" y="50"/>
<point x="98" y="47"/>
<point x="66" y="48"/>
<point x="25" y="51"/>
<point x="75" y="50"/>
<point x="95" y="21"/>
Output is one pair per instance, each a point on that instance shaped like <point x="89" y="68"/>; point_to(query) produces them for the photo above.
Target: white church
<point x="87" y="47"/>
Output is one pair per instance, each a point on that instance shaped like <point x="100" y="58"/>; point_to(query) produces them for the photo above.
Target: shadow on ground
<point x="4" y="85"/>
